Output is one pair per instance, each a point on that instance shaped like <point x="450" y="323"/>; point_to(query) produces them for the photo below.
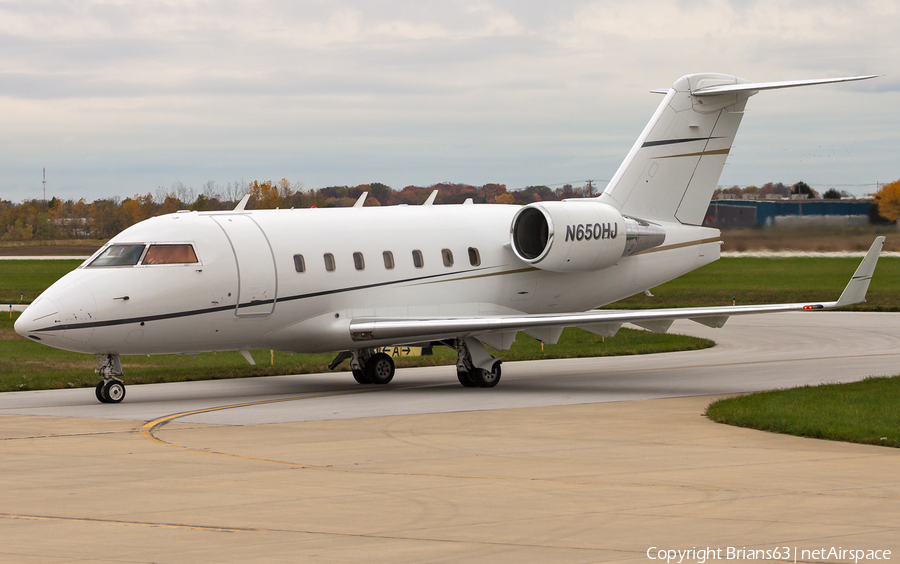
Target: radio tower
<point x="45" y="184"/>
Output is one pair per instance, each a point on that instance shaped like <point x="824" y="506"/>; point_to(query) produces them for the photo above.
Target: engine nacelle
<point x="578" y="236"/>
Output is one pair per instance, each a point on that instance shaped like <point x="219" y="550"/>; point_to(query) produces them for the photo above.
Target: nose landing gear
<point x="111" y="389"/>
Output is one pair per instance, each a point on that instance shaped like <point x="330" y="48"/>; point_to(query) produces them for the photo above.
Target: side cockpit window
<point x="170" y="254"/>
<point x="119" y="255"/>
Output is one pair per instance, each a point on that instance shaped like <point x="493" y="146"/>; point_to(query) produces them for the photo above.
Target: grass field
<point x="860" y="412"/>
<point x="22" y="280"/>
<point x="26" y="365"/>
<point x="774" y="280"/>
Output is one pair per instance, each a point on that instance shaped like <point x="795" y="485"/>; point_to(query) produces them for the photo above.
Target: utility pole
<point x="45" y="184"/>
<point x="590" y="187"/>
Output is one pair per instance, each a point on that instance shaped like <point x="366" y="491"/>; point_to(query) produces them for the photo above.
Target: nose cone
<point x="40" y="314"/>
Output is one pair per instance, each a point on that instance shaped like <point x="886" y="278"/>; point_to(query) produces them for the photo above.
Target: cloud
<point x="525" y="92"/>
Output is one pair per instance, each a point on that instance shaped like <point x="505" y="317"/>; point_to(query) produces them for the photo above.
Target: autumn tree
<point x="888" y="201"/>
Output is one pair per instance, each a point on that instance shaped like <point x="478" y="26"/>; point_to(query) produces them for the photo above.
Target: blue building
<point x="747" y="213"/>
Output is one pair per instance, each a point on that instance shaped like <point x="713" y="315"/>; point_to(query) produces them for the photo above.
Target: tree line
<point x="57" y="219"/>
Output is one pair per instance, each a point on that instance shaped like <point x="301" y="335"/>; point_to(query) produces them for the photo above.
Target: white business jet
<point x="350" y="280"/>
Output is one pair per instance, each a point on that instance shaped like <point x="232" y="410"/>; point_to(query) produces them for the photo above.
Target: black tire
<point x="487" y="379"/>
<point x="361" y="377"/>
<point x="99" y="391"/>
<point x="465" y="378"/>
<point x="114" y="391"/>
<point x="380" y="369"/>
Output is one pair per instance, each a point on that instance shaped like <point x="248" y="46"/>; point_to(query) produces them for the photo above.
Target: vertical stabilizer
<point x="673" y="168"/>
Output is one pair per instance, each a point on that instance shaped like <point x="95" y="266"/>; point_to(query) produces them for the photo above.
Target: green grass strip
<point x="866" y="412"/>
<point x="773" y="280"/>
<point x="21" y="281"/>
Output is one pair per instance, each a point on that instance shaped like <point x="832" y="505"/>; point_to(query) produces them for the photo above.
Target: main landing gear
<point x="368" y="366"/>
<point x="475" y="367"/>
<point x="111" y="389"/>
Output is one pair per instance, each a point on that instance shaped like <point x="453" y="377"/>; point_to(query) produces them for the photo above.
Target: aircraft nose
<point x="41" y="313"/>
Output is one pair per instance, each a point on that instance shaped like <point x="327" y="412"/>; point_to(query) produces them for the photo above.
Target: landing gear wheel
<point x="380" y="368"/>
<point x="485" y="378"/>
<point x="361" y="377"/>
<point x="99" y="391"/>
<point x="465" y="378"/>
<point x="113" y="391"/>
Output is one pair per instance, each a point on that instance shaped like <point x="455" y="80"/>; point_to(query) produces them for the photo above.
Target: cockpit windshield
<point x="130" y="255"/>
<point x="119" y="255"/>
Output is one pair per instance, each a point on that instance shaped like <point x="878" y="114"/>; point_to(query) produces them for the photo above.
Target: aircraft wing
<point x="604" y="322"/>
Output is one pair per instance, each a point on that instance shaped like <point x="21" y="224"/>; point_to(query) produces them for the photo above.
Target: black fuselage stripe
<point x="675" y="141"/>
<point x="175" y="315"/>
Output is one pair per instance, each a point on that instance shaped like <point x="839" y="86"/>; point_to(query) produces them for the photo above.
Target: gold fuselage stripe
<point x="679" y="246"/>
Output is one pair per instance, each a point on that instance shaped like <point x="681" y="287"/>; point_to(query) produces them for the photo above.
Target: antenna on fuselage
<point x="362" y="199"/>
<point x="243" y="203"/>
<point x="431" y="198"/>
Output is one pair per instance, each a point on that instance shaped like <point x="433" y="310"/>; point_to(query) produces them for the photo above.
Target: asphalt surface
<point x="319" y="469"/>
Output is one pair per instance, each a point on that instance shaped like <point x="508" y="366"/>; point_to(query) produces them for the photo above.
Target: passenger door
<point x="256" y="276"/>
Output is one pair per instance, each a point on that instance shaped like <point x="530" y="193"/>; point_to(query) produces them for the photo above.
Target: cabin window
<point x="358" y="261"/>
<point x="329" y="262"/>
<point x="447" y="255"/>
<point x="474" y="257"/>
<point x="418" y="262"/>
<point x="170" y="254"/>
<point x="299" y="263"/>
<point x="119" y="255"/>
<point x="388" y="259"/>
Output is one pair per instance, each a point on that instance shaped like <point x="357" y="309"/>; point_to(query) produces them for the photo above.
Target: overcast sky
<point x="120" y="97"/>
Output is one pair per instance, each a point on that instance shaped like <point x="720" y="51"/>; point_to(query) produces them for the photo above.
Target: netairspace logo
<point x="783" y="553"/>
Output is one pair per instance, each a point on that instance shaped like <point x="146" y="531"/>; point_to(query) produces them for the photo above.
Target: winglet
<point x="243" y="203"/>
<point x="362" y="200"/>
<point x="431" y="198"/>
<point x="855" y="292"/>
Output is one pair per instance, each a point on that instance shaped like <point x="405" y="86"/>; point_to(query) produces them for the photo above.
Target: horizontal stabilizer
<point x="757" y="86"/>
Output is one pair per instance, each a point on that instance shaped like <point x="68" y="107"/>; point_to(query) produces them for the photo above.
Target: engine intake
<point x="581" y="235"/>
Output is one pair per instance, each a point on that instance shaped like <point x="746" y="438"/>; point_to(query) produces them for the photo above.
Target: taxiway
<point x="556" y="464"/>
